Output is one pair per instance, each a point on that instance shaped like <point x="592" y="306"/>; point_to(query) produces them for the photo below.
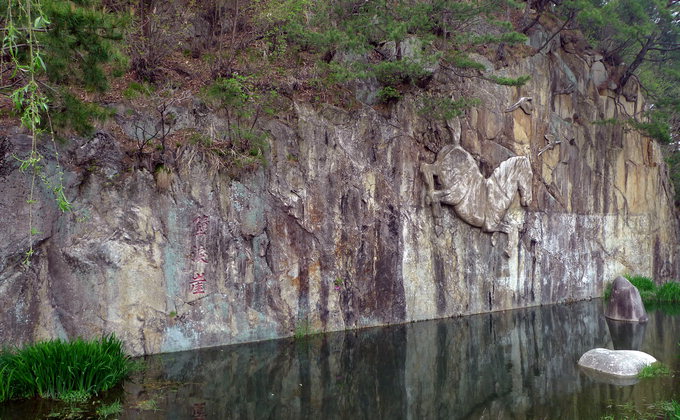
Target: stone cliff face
<point x="336" y="231"/>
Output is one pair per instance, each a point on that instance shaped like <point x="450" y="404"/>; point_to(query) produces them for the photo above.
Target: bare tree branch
<point x="572" y="14"/>
<point x="639" y="58"/>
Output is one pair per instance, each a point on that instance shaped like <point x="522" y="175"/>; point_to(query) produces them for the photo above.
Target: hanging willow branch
<point x="29" y="101"/>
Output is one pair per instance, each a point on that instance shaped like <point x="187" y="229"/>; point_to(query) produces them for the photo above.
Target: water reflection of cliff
<point x="519" y="364"/>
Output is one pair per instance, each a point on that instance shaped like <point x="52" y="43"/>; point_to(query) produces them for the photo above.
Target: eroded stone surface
<point x="619" y="363"/>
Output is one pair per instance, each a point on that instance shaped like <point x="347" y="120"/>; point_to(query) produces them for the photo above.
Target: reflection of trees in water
<point x="519" y="364"/>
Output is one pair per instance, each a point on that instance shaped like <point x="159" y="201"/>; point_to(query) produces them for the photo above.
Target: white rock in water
<point x="622" y="363"/>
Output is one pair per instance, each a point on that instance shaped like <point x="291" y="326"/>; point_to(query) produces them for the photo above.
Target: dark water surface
<point x="511" y="365"/>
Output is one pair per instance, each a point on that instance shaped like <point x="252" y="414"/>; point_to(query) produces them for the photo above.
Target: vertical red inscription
<point x="199" y="254"/>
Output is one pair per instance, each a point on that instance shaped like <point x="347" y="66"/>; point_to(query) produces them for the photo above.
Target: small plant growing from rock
<point x="147" y="405"/>
<point x="510" y="81"/>
<point x="303" y="329"/>
<point x="338" y="283"/>
<point x="108" y="410"/>
<point x="388" y="94"/>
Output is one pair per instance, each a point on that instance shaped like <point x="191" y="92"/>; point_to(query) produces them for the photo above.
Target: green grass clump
<point x="657" y="410"/>
<point x="648" y="297"/>
<point x="668" y="292"/>
<point x="135" y="89"/>
<point x="147" y="405"/>
<point x="109" y="410"/>
<point x="654" y="370"/>
<point x="666" y="409"/>
<point x="5" y="381"/>
<point x="510" y="81"/>
<point x="643" y="284"/>
<point x="61" y="370"/>
<point x="75" y="397"/>
<point x="387" y="94"/>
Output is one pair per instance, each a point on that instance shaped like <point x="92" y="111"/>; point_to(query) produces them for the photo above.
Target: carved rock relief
<point x="479" y="201"/>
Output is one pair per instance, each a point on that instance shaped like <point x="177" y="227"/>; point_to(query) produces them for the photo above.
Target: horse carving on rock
<point x="479" y="201"/>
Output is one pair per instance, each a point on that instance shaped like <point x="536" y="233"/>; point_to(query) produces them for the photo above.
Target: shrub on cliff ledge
<point x="397" y="42"/>
<point x="58" y="369"/>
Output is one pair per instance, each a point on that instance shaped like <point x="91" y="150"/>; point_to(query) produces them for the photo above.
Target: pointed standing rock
<point x="625" y="303"/>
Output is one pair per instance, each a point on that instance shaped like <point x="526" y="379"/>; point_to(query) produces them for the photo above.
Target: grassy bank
<point x="651" y="294"/>
<point x="61" y="370"/>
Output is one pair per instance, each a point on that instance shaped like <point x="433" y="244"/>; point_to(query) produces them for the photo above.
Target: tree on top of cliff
<point x="642" y="38"/>
<point x="634" y="33"/>
<point x="638" y="38"/>
<point x="397" y="42"/>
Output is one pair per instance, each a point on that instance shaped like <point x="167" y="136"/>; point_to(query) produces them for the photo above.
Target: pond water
<point x="509" y="365"/>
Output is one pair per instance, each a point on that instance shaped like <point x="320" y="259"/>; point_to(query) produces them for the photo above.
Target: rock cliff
<point x="336" y="230"/>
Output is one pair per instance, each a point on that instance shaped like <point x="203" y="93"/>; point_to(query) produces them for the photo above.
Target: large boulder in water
<point x="625" y="303"/>
<point x="618" y="363"/>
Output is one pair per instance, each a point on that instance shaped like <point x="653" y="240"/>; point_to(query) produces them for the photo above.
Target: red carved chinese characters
<point x="199" y="254"/>
<point x="200" y="225"/>
<point x="197" y="283"/>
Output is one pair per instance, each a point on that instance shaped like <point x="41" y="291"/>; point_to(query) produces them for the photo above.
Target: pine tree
<point x="402" y="39"/>
<point x="73" y="41"/>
